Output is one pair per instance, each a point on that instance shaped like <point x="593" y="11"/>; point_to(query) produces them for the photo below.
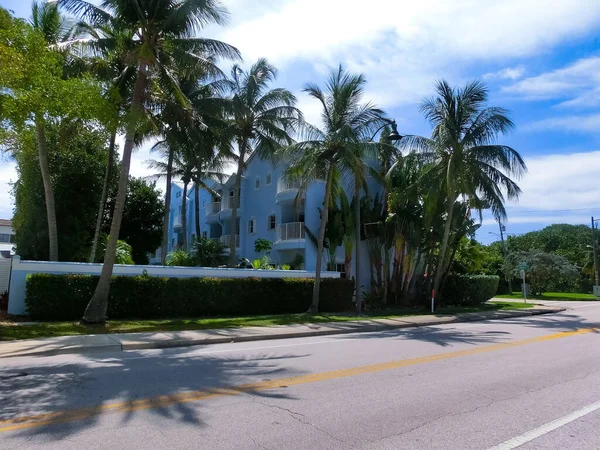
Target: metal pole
<point x="595" y="251"/>
<point x="505" y="252"/>
<point x="357" y="245"/>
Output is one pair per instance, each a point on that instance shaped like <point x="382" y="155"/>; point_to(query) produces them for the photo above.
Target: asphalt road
<point x="533" y="382"/>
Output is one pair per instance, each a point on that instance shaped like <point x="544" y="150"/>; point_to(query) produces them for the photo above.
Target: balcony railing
<point x="288" y="185"/>
<point x="227" y="238"/>
<point x="228" y="203"/>
<point x="290" y="231"/>
<point x="213" y="208"/>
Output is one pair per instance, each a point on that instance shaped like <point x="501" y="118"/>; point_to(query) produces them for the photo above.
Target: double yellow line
<point x="39" y="420"/>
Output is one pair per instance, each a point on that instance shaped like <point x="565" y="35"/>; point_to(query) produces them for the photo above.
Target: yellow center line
<point x="169" y="400"/>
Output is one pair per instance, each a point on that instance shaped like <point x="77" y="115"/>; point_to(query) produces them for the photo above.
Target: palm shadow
<point x="129" y="378"/>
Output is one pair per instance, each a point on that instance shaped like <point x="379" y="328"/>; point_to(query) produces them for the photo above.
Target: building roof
<point x="5" y="223"/>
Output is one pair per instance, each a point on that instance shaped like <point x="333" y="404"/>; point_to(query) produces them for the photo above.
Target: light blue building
<point x="270" y="209"/>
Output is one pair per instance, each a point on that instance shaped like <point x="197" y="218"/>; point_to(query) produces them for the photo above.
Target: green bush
<point x="64" y="297"/>
<point x="469" y="289"/>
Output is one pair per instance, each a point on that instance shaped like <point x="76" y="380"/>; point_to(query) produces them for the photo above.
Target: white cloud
<point x="576" y="123"/>
<point x="402" y="46"/>
<point x="559" y="182"/>
<point x="575" y="81"/>
<point x="509" y="73"/>
<point x="542" y="219"/>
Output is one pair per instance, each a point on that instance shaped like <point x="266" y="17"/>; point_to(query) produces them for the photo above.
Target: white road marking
<point x="547" y="428"/>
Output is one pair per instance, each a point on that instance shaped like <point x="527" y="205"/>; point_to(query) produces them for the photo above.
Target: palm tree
<point x="56" y="28"/>
<point x="161" y="46"/>
<point x="260" y="122"/>
<point x="335" y="149"/>
<point x="464" y="154"/>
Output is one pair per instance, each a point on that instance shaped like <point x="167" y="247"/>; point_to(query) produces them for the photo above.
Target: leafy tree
<point x="260" y="122"/>
<point x="180" y="258"/>
<point x="262" y="245"/>
<point x="162" y="45"/>
<point x="545" y="270"/>
<point x="209" y="252"/>
<point x="336" y="148"/>
<point x="142" y="218"/>
<point x="464" y="156"/>
<point x="77" y="156"/>
<point x="124" y="252"/>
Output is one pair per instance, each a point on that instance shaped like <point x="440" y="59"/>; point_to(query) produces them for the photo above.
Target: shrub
<point x="469" y="289"/>
<point x="64" y="297"/>
<point x="209" y="252"/>
<point x="180" y="258"/>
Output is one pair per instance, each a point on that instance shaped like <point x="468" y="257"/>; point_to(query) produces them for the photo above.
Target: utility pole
<point x="595" y="250"/>
<point x="505" y="252"/>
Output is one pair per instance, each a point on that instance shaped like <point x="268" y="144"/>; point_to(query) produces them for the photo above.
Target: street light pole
<point x="595" y="251"/>
<point x="505" y="252"/>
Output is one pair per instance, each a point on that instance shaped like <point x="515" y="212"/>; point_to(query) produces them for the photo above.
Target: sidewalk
<point x="137" y="341"/>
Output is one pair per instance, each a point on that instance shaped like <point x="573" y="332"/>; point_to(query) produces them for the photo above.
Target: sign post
<point x="432" y="301"/>
<point x="523" y="267"/>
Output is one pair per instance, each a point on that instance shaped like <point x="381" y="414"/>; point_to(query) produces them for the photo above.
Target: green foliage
<point x="545" y="272"/>
<point x="262" y="245"/>
<point x="123" y="253"/>
<point x="142" y="223"/>
<point x="180" y="258"/>
<point x="469" y="289"/>
<point x="77" y="156"/>
<point x="209" y="252"/>
<point x="298" y="262"/>
<point x="63" y="297"/>
<point x="475" y="258"/>
<point x="262" y="263"/>
<point x="285" y="267"/>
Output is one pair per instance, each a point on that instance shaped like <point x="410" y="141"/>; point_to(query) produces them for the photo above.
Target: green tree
<point x="142" y="223"/>
<point x="209" y="252"/>
<point x="161" y="47"/>
<point x="336" y="148"/>
<point x="260" y="122"/>
<point x="464" y="155"/>
<point x="77" y="159"/>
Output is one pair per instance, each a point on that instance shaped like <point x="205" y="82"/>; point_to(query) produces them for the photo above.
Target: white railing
<point x="213" y="208"/>
<point x="177" y="222"/>
<point x="287" y="185"/>
<point x="289" y="231"/>
<point x="228" y="203"/>
<point x="226" y="239"/>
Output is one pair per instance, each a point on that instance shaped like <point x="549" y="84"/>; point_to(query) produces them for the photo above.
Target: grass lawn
<point x="564" y="296"/>
<point x="9" y="332"/>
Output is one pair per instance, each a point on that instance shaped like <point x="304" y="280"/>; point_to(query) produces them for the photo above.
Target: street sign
<point x="523" y="266"/>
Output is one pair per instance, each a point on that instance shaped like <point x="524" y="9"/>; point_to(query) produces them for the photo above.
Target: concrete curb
<point x="162" y="340"/>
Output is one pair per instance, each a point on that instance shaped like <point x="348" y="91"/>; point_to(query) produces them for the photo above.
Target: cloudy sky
<point x="541" y="60"/>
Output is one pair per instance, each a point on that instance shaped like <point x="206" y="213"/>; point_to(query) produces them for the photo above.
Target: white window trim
<point x="269" y="222"/>
<point x="253" y="221"/>
<point x="257" y="180"/>
<point x="268" y="179"/>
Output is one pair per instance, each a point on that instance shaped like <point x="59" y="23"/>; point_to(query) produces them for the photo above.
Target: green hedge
<point x="469" y="289"/>
<point x="64" y="297"/>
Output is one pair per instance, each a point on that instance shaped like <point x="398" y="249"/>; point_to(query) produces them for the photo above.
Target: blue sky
<point x="541" y="60"/>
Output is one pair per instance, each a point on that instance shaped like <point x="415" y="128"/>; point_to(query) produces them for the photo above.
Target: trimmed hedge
<point x="469" y="289"/>
<point x="64" y="297"/>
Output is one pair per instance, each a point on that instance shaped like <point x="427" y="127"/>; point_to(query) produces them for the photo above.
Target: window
<point x="251" y="226"/>
<point x="257" y="183"/>
<point x="268" y="178"/>
<point x="271" y="222"/>
<point x="301" y="218"/>
<point x="193" y="237"/>
<point x="204" y="234"/>
<point x="173" y="242"/>
<point x="340" y="267"/>
<point x="178" y="194"/>
<point x="5" y="237"/>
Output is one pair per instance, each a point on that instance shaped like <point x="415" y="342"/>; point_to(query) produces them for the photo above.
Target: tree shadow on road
<point x="83" y="388"/>
<point x="555" y="322"/>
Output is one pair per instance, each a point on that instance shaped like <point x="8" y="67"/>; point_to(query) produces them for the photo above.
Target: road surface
<point x="531" y="382"/>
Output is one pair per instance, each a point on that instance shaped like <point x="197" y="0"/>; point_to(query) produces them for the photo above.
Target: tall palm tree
<point x="464" y="155"/>
<point x="56" y="28"/>
<point x="162" y="45"/>
<point x="261" y="120"/>
<point x="335" y="148"/>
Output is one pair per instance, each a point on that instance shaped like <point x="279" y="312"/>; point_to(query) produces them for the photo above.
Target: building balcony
<point x="212" y="211"/>
<point x="290" y="236"/>
<point x="177" y="223"/>
<point x="287" y="191"/>
<point x="226" y="205"/>
<point x="227" y="238"/>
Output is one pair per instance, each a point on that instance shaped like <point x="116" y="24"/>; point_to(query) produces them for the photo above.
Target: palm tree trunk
<point x="184" y="215"/>
<point x="165" y="240"/>
<point x="95" y="312"/>
<point x="109" y="164"/>
<point x="197" y="209"/>
<point x="314" y="307"/>
<point x="443" y="247"/>
<point x="234" y="207"/>
<point x="357" y="245"/>
<point x="48" y="189"/>
<point x="348" y="257"/>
